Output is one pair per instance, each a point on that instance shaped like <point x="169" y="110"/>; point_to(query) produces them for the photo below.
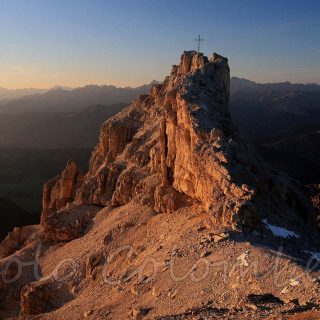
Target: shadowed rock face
<point x="314" y="191"/>
<point x="178" y="146"/>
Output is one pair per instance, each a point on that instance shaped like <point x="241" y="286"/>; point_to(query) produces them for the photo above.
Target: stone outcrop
<point x="61" y="190"/>
<point x="61" y="221"/>
<point x="15" y="240"/>
<point x="68" y="223"/>
<point x="42" y="296"/>
<point x="36" y="298"/>
<point x="179" y="145"/>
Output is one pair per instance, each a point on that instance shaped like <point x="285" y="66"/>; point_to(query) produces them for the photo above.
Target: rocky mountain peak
<point x="178" y="147"/>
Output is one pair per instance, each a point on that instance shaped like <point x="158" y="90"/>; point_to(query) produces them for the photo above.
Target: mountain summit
<point x="178" y="146"/>
<point x="171" y="181"/>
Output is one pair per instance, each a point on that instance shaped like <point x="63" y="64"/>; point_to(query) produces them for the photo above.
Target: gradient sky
<point x="130" y="42"/>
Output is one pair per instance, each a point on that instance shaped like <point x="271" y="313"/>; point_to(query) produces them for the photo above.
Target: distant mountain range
<point x="244" y="85"/>
<point x="62" y="100"/>
<point x="9" y="94"/>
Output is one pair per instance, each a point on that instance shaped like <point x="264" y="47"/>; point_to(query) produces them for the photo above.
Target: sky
<point x="130" y="42"/>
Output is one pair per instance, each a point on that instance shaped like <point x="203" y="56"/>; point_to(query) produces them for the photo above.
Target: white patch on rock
<point x="279" y="231"/>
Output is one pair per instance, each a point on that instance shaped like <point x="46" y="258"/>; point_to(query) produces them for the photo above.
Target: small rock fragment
<point x="294" y="282"/>
<point x="221" y="237"/>
<point x="88" y="313"/>
<point x="134" y="290"/>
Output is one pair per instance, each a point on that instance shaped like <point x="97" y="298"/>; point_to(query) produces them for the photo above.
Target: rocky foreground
<point x="177" y="218"/>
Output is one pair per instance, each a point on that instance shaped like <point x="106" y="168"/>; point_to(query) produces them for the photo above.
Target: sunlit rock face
<point x="61" y="190"/>
<point x="178" y="146"/>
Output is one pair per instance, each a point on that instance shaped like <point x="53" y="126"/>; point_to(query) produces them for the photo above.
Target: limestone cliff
<point x="178" y="146"/>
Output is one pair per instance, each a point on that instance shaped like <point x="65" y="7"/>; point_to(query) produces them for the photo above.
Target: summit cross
<point x="199" y="40"/>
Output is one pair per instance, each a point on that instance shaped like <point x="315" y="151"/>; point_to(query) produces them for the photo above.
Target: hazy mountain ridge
<point x="23" y="98"/>
<point x="62" y="100"/>
<point x="241" y="84"/>
<point x="9" y="94"/>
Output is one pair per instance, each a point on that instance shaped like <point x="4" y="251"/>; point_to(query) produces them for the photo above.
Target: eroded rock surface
<point x="68" y="223"/>
<point x="42" y="296"/>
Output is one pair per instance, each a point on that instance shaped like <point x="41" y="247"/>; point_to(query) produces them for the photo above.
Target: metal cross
<point x="199" y="40"/>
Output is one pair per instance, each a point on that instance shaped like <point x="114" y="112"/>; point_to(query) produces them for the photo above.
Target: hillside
<point x="32" y="149"/>
<point x="24" y="171"/>
<point x="295" y="151"/>
<point x="281" y="121"/>
<point x="38" y="130"/>
<point x="177" y="218"/>
<point x="266" y="112"/>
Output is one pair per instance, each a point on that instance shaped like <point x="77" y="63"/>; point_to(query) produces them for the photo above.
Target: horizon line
<point x="66" y="87"/>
